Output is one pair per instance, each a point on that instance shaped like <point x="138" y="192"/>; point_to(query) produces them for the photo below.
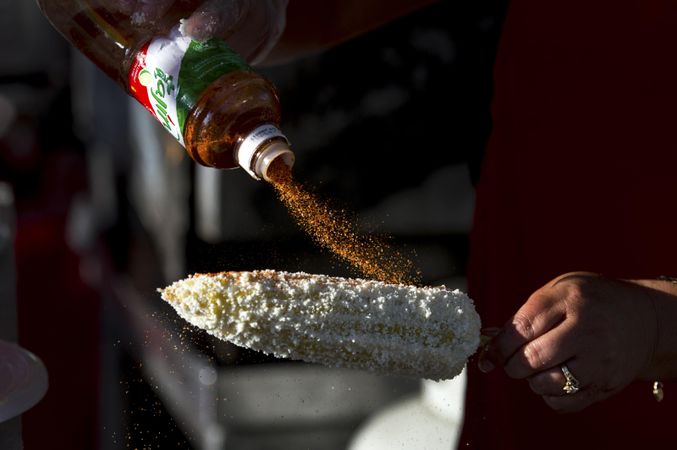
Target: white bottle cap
<point x="276" y="149"/>
<point x="255" y="159"/>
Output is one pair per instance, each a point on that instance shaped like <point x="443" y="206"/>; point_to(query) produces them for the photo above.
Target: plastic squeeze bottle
<point x="172" y="57"/>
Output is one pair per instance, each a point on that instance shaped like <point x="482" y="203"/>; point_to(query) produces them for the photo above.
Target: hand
<point x="251" y="27"/>
<point x="604" y="330"/>
<point x="141" y="11"/>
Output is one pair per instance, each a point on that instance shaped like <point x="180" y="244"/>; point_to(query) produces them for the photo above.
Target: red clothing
<point x="580" y="174"/>
<point x="59" y="322"/>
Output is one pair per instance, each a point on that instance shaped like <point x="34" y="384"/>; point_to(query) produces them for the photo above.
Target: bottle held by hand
<point x="173" y="57"/>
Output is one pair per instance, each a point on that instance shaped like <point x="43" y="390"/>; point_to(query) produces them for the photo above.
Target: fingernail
<point x="485" y="365"/>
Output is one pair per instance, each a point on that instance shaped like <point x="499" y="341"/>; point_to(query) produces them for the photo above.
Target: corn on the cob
<point x="423" y="332"/>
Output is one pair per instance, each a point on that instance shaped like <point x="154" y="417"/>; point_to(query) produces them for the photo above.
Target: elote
<point x="426" y="332"/>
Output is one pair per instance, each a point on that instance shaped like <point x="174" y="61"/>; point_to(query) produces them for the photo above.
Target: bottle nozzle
<point x="277" y="149"/>
<point x="260" y="148"/>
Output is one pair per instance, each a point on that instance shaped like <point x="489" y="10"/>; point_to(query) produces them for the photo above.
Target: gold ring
<point x="572" y="385"/>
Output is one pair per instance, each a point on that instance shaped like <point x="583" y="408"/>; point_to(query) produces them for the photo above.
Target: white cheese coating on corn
<point x="426" y="332"/>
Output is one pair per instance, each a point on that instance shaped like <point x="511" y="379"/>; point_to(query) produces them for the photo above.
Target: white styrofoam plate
<point x="23" y="380"/>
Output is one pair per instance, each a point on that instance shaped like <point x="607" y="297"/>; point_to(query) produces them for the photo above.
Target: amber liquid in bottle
<point x="224" y="114"/>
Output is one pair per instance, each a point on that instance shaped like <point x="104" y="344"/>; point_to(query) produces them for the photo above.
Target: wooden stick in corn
<point x="426" y="332"/>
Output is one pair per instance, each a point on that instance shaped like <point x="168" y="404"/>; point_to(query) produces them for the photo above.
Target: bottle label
<point x="169" y="74"/>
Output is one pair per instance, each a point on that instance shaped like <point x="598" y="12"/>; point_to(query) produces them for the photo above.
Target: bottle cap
<point x="260" y="148"/>
<point x="276" y="149"/>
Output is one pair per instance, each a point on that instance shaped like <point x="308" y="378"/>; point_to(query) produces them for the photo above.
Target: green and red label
<point x="169" y="74"/>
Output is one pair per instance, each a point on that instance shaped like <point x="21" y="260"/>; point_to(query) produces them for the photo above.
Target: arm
<point x="252" y="27"/>
<point x="608" y="332"/>
<point x="663" y="364"/>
